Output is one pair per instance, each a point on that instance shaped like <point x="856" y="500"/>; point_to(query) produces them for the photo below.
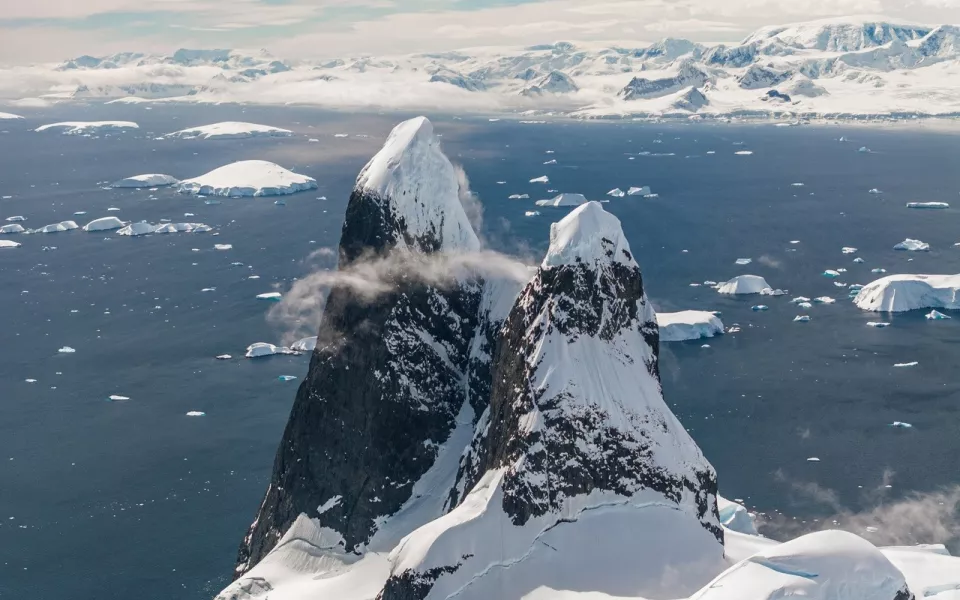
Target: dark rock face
<point x="641" y="87"/>
<point x="379" y="396"/>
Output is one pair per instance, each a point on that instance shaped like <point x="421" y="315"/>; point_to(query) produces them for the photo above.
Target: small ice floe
<point x="552" y="161"/>
<point x="800" y="299"/>
<point x="254" y="277"/>
<point x="760" y="307"/>
<point x="794" y="241"/>
<point x="531" y="213"/>
<point x="117" y="398"/>
<point x="878" y="324"/>
<point x="210" y="289"/>
<point x="12" y="228"/>
<point x="287" y="377"/>
<point x="271" y="296"/>
<point x="518" y="196"/>
<point x="743" y="261"/>
<point x="801" y="319"/>
<point x="912" y="246"/>
<point x="804" y="305"/>
<point x="813" y="459"/>
<point x="767" y="291"/>
<point x="935" y="315"/>
<point x="57" y="227"/>
<point x="196" y="413"/>
<point x="839" y="284"/>
<point x="223" y="246"/>
<point x="211" y="201"/>
<point x="934" y="205"/>
<point x="858" y="260"/>
<point x="878" y="270"/>
<point x="617" y="193"/>
<point x="261" y="349"/>
<point x="565" y="199"/>
<point x="901" y="425"/>
<point x="66" y="350"/>
<point x="907" y="364"/>
<point x="643" y="190"/>
<point x="541" y="179"/>
<point x="30" y="380"/>
<point x="79" y="213"/>
<point x="113" y="209"/>
<point x="743" y="152"/>
<point x="798" y="184"/>
<point x="223" y="357"/>
<point x="848" y="250"/>
<point x="150" y="180"/>
<point x="824" y="300"/>
<point x="183" y="227"/>
<point x="831" y="273"/>
<point x="280" y="202"/>
<point x="864" y="150"/>
<point x="9" y="244"/>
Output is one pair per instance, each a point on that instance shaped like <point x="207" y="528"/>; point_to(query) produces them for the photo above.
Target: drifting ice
<point x="899" y="293"/>
<point x="935" y="315"/>
<point x="688" y="325"/>
<point x="927" y="205"/>
<point x="135" y="229"/>
<point x="271" y="296"/>
<point x="103" y="224"/>
<point x="616" y="193"/>
<point x="9" y="244"/>
<point x="542" y="179"/>
<point x="229" y="130"/>
<point x="639" y="191"/>
<point x="248" y="178"/>
<point x="564" y="200"/>
<point x="148" y="180"/>
<point x="912" y="246"/>
<point x="744" y="284"/>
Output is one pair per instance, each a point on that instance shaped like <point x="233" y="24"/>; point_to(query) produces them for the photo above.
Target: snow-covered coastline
<point x="840" y="69"/>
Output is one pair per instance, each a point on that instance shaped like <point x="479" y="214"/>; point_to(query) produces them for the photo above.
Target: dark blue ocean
<point x="134" y="499"/>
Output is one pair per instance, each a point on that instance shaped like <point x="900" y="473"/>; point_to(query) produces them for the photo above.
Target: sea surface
<point x="135" y="499"/>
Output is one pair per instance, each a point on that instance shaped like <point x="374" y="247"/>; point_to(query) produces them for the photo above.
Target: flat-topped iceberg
<point x="899" y="293"/>
<point x="183" y="227"/>
<point x="688" y="325"/>
<point x="57" y="227"/>
<point x="927" y="205"/>
<point x="135" y="229"/>
<point x="744" y="284"/>
<point x="261" y="349"/>
<point x="82" y="127"/>
<point x="104" y="224"/>
<point x="146" y="180"/>
<point x="643" y="190"/>
<point x="12" y="228"/>
<point x="307" y="344"/>
<point x="6" y="115"/>
<point x="564" y="200"/>
<point x="229" y="130"/>
<point x="9" y="244"/>
<point x="248" y="178"/>
<point x="912" y="246"/>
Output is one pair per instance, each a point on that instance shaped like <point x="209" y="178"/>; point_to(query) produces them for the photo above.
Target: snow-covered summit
<point x="415" y="178"/>
<point x="841" y="34"/>
<point x="588" y="234"/>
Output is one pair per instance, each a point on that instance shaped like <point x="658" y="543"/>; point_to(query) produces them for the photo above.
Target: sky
<point x="33" y="31"/>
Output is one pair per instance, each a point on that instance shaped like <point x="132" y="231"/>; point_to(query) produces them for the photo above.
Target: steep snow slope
<point x="577" y="445"/>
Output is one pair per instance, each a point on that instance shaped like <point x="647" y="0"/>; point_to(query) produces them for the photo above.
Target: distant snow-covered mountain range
<point x="846" y="68"/>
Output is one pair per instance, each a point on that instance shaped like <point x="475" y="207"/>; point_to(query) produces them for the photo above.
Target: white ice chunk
<point x="912" y="246"/>
<point x="616" y="193"/>
<point x="898" y="293"/>
<point x="927" y="205"/>
<point x="541" y="179"/>
<point x="564" y="200"/>
<point x="643" y="190"/>
<point x="82" y="127"/>
<point x="146" y="180"/>
<point x="229" y="130"/>
<point x="103" y="224"/>
<point x="248" y="178"/>
<point x="12" y="228"/>
<point x="135" y="229"/>
<point x="744" y="284"/>
<point x="271" y="296"/>
<point x="743" y="261"/>
<point x="688" y="325"/>
<point x="307" y="344"/>
<point x="261" y="349"/>
<point x="935" y="315"/>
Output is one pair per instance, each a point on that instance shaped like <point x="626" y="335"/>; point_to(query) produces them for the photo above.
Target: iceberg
<point x="688" y="325"/>
<point x="134" y="229"/>
<point x="117" y="398"/>
<point x="759" y="308"/>
<point x="744" y="284"/>
<point x="12" y="228"/>
<point x="901" y="425"/>
<point x="103" y="224"/>
<point x="196" y="413"/>
<point x="223" y="246"/>
<point x="878" y="324"/>
<point x="848" y="250"/>
<point x="935" y="315"/>
<point x="864" y="150"/>
<point x="248" y="178"/>
<point x="927" y="205"/>
<point x="66" y="350"/>
<point x="183" y="227"/>
<point x="831" y="273"/>
<point x="261" y="349"/>
<point x="874" y="191"/>
<point x="307" y="344"/>
<point x="616" y="193"/>
<point x="518" y="196"/>
<point x="531" y="213"/>
<point x="858" y="260"/>
<point x="743" y="261"/>
<point x="906" y="364"/>
<point x="564" y="200"/>
<point x="801" y="319"/>
<point x="6" y="115"/>
<point x="735" y="517"/>
<point x="824" y="300"/>
<point x="643" y="190"/>
<point x="85" y="127"/>
<point x="229" y="130"/>
<point x="9" y="244"/>
<point x="743" y="152"/>
<point x="271" y="296"/>
<point x="16" y="219"/>
<point x="541" y="179"/>
<point x="57" y="227"/>
<point x="900" y="293"/>
<point x="147" y="180"/>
